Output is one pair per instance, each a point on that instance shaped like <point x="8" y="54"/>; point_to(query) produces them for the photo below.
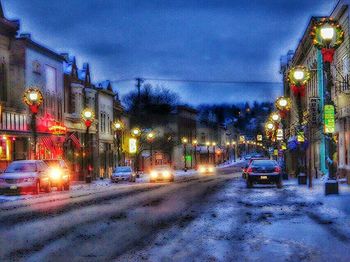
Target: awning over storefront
<point x="75" y="140"/>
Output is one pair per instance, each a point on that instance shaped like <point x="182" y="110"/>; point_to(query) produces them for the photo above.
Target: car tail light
<point x="277" y="169"/>
<point x="249" y="170"/>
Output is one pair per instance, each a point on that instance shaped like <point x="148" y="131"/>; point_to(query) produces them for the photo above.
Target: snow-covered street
<point x="197" y="218"/>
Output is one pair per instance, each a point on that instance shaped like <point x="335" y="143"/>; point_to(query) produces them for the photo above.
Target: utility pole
<point x="139" y="82"/>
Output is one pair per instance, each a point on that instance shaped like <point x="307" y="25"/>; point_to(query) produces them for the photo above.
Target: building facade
<point x="306" y="54"/>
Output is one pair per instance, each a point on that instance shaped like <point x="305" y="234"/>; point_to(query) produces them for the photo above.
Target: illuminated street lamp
<point x="195" y="143"/>
<point x="136" y="132"/>
<point x="118" y="127"/>
<point x="275" y="117"/>
<point x="327" y="36"/>
<point x="88" y="116"/>
<point x="33" y="98"/>
<point x="214" y="152"/>
<point x="150" y="138"/>
<point x="184" y="141"/>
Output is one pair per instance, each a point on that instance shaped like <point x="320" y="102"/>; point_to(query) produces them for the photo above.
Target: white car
<point x="25" y="176"/>
<point x="123" y="173"/>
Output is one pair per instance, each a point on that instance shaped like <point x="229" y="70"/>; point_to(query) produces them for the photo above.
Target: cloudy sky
<point x="239" y="40"/>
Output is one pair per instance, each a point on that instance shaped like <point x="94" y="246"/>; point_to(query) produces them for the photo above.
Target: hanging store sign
<point x="132" y="145"/>
<point x="58" y="129"/>
<point x="329" y="119"/>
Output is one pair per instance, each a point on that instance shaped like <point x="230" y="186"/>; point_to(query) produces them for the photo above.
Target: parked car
<point x="206" y="169"/>
<point x="59" y="174"/>
<point x="25" y="176"/>
<point x="264" y="171"/>
<point x="244" y="169"/>
<point x="123" y="173"/>
<point x="162" y="173"/>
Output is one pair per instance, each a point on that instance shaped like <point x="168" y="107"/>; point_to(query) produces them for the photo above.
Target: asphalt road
<point x="209" y="218"/>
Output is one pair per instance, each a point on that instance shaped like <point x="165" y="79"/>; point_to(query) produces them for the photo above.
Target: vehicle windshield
<point x="21" y="167"/>
<point x="265" y="163"/>
<point x="123" y="169"/>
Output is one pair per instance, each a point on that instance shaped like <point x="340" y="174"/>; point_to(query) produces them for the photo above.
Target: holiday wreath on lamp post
<point x="33" y="98"/>
<point x="298" y="76"/>
<point x="327" y="35"/>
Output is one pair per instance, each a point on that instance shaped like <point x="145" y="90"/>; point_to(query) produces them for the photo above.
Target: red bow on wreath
<point x="34" y="109"/>
<point x="88" y="123"/>
<point x="298" y="90"/>
<point x="327" y="54"/>
<point x="283" y="113"/>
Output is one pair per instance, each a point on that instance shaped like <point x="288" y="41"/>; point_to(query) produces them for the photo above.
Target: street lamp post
<point x="234" y="150"/>
<point x="150" y="139"/>
<point x="214" y="153"/>
<point x="184" y="142"/>
<point x="228" y="151"/>
<point x="208" y="153"/>
<point x="327" y="36"/>
<point x="88" y="117"/>
<point x="118" y="128"/>
<point x="195" y="143"/>
<point x="136" y="133"/>
<point x="283" y="105"/>
<point x="33" y="98"/>
<point x="298" y="77"/>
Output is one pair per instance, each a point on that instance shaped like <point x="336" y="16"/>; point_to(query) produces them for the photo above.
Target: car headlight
<point x="202" y="169"/>
<point x="211" y="169"/>
<point x="166" y="173"/>
<point x="154" y="174"/>
<point x="55" y="173"/>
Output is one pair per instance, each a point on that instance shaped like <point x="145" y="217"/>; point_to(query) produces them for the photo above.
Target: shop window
<point x="5" y="145"/>
<point x="51" y="79"/>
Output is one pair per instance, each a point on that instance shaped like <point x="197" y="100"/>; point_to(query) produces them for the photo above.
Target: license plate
<point x="263" y="177"/>
<point x="13" y="187"/>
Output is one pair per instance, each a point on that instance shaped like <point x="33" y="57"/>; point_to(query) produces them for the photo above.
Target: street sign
<point x="188" y="158"/>
<point x="132" y="145"/>
<point x="275" y="152"/>
<point x="329" y="121"/>
<point x="279" y="134"/>
<point x="259" y="138"/>
<point x="314" y="110"/>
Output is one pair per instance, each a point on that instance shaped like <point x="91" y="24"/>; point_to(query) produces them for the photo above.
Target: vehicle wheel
<point x="279" y="184"/>
<point x="66" y="187"/>
<point x="249" y="184"/>
<point x="48" y="188"/>
<point x="36" y="190"/>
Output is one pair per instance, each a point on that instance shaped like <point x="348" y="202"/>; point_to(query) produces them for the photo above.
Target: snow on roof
<point x="104" y="84"/>
<point x="82" y="74"/>
<point x="68" y="65"/>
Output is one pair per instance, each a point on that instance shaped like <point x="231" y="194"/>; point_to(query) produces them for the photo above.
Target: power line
<point x="202" y="81"/>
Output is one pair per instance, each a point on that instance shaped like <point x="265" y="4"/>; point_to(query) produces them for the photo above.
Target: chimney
<point x="25" y="35"/>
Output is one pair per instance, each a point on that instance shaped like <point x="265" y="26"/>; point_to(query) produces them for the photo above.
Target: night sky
<point x="175" y="39"/>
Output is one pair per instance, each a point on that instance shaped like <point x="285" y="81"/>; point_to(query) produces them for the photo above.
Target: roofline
<point x="41" y="48"/>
